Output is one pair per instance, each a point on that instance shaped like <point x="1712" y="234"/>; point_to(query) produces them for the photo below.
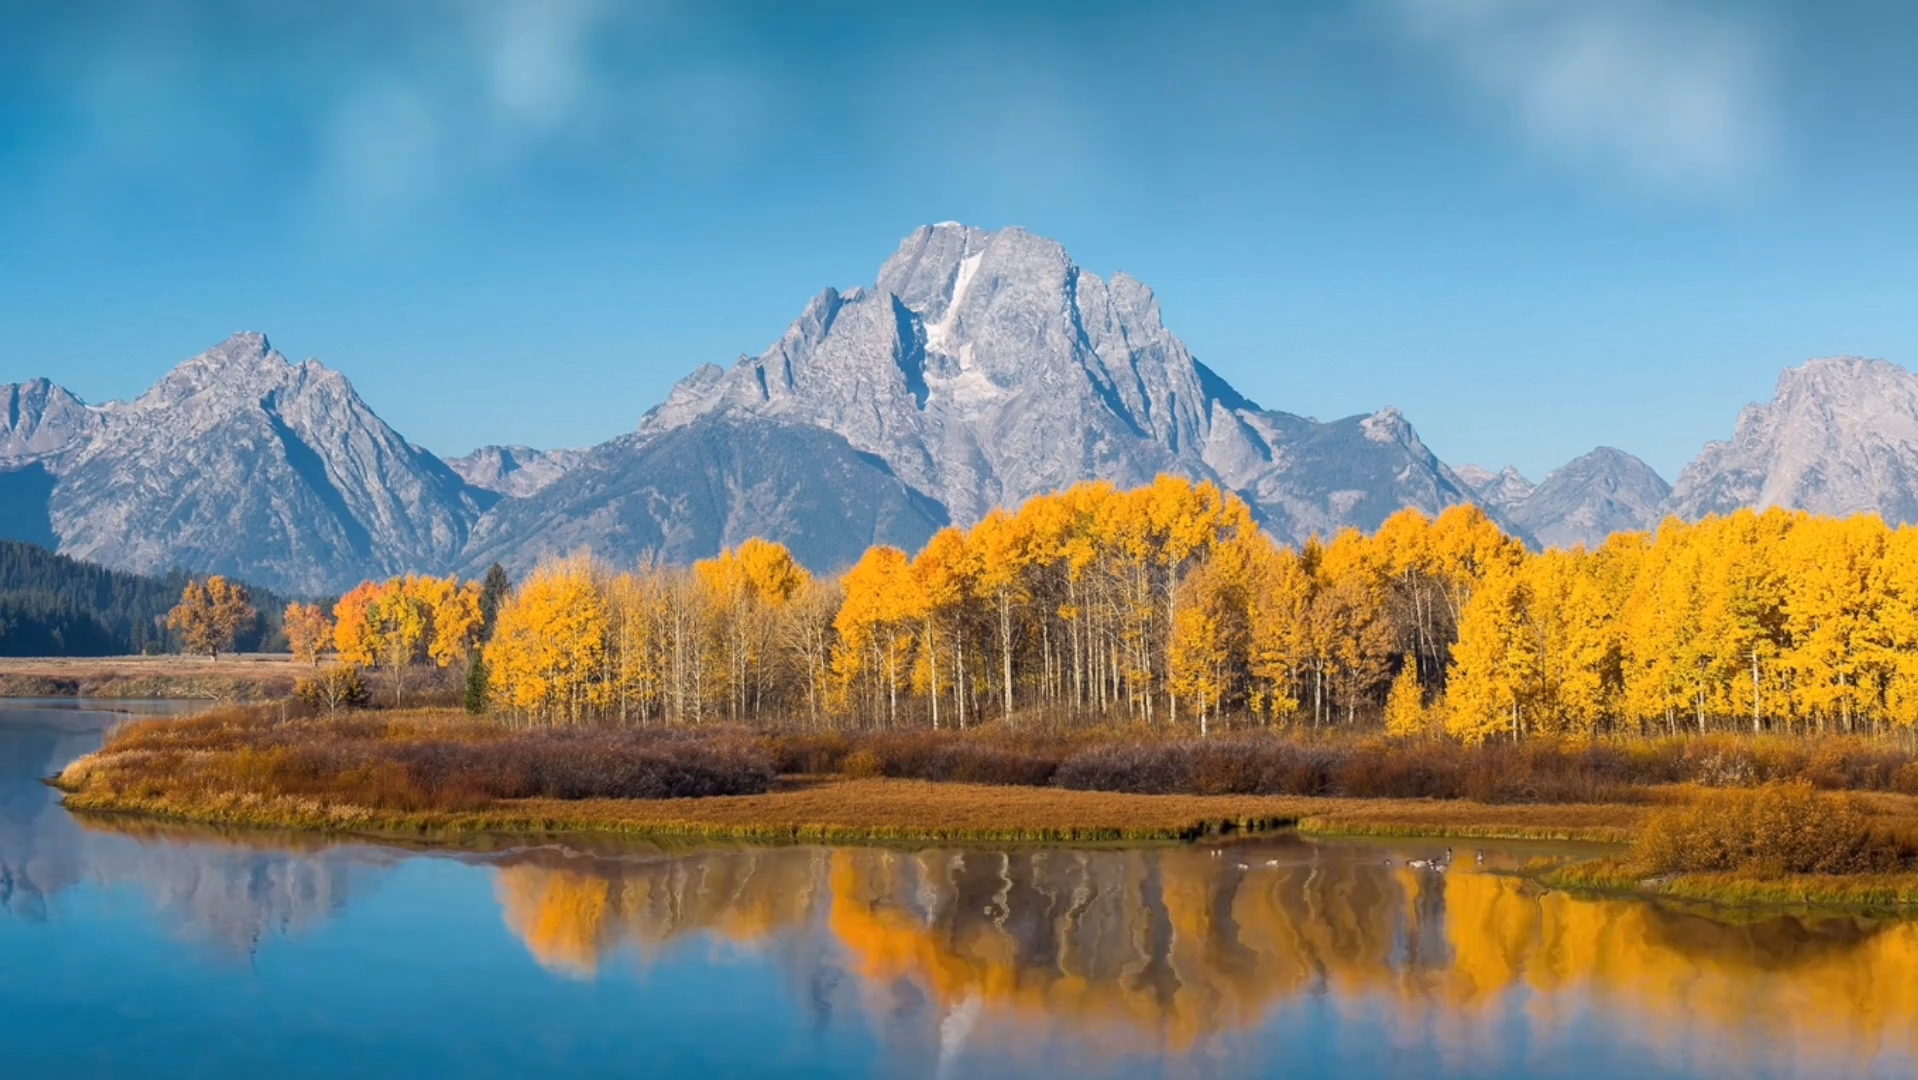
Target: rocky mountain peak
<point x="517" y="471"/>
<point x="40" y="418"/>
<point x="985" y="367"/>
<point x="1503" y="489"/>
<point x="1591" y="497"/>
<point x="241" y="462"/>
<point x="1840" y="436"/>
<point x="243" y="366"/>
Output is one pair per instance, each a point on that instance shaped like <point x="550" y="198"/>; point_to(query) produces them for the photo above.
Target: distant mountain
<point x="984" y="368"/>
<point x="1503" y="489"/>
<point x="241" y="462"/>
<point x="517" y="471"/>
<point x="688" y="492"/>
<point x="1604" y="492"/>
<point x="978" y="370"/>
<point x="38" y="418"/>
<point x="1840" y="436"/>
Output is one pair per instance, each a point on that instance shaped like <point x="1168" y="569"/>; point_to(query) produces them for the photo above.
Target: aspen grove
<point x="1167" y="606"/>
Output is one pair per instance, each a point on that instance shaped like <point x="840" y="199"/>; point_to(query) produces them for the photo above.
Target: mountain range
<point x="979" y="369"/>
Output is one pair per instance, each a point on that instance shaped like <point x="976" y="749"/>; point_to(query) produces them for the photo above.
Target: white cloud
<point x="536" y="56"/>
<point x="1667" y="92"/>
<point x="382" y="146"/>
<point x="420" y="116"/>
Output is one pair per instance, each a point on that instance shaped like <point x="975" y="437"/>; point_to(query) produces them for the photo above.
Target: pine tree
<point x="494" y="589"/>
<point x="475" y="697"/>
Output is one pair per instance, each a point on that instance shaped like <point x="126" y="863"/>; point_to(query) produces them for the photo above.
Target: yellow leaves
<point x="211" y="614"/>
<point x="758" y="571"/>
<point x="549" y="643"/>
<point x="1405" y="714"/>
<point x="308" y="632"/>
<point x="1167" y="604"/>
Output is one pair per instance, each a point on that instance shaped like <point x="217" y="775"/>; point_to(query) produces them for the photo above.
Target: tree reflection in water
<point x="1159" y="950"/>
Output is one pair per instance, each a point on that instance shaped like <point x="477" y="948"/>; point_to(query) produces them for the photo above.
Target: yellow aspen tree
<point x="1280" y="601"/>
<point x="399" y="624"/>
<point x="1897" y="587"/>
<point x="807" y="628"/>
<point x="308" y="632"/>
<point x="453" y="616"/>
<point x="943" y="575"/>
<point x="1405" y="703"/>
<point x="1003" y="546"/>
<point x="547" y="655"/>
<point x="878" y="592"/>
<point x="1491" y="661"/>
<point x="352" y="628"/>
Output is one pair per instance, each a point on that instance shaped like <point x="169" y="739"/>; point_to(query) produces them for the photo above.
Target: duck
<point x="1418" y="864"/>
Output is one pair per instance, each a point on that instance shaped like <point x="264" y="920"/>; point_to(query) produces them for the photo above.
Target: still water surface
<point x="131" y="949"/>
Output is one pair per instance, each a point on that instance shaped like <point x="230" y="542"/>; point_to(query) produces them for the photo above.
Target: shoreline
<point x="886" y="812"/>
<point x="249" y="677"/>
<point x="848" y="810"/>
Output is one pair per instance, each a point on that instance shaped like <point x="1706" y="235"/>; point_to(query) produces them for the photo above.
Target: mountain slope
<point x="985" y="368"/>
<point x="517" y="471"/>
<point x="1840" y="436"/>
<point x="39" y="418"/>
<point x="1503" y="489"/>
<point x="1591" y="497"/>
<point x="686" y="493"/>
<point x="243" y="463"/>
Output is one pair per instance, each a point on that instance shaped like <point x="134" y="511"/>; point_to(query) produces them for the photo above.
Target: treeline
<point x="1168" y="606"/>
<point x="53" y="605"/>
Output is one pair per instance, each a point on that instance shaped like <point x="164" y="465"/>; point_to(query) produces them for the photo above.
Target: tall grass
<point x="411" y="762"/>
<point x="1771" y="831"/>
<point x="1538" y="771"/>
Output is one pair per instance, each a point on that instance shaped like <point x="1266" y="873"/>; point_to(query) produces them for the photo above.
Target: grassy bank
<point x="438" y="776"/>
<point x="1777" y="845"/>
<point x="436" y="773"/>
<point x="250" y="677"/>
<point x="830" y="809"/>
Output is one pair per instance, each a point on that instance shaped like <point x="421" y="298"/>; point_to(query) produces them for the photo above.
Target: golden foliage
<point x="308" y="632"/>
<point x="1166" y="605"/>
<point x="210" y="615"/>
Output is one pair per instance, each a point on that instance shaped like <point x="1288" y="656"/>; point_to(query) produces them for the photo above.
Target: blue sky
<point x="1534" y="226"/>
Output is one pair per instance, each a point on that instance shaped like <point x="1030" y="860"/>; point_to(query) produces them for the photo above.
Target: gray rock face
<point x="687" y="492"/>
<point x="517" y="471"/>
<point x="39" y="419"/>
<point x="243" y="463"/>
<point x="1604" y="492"/>
<point x="1839" y="437"/>
<point x="1503" y="489"/>
<point x="978" y="370"/>
<point x="986" y="368"/>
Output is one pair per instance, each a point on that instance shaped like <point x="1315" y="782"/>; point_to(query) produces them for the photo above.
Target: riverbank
<point x="250" y="677"/>
<point x="845" y="810"/>
<point x="1738" y="890"/>
<point x="437" y="776"/>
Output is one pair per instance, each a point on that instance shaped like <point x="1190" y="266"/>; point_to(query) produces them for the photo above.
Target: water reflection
<point x="1032" y="960"/>
<point x="1160" y="950"/>
<point x="228" y="893"/>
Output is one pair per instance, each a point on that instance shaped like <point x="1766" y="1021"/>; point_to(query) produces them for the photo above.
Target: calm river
<point x="132" y="950"/>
